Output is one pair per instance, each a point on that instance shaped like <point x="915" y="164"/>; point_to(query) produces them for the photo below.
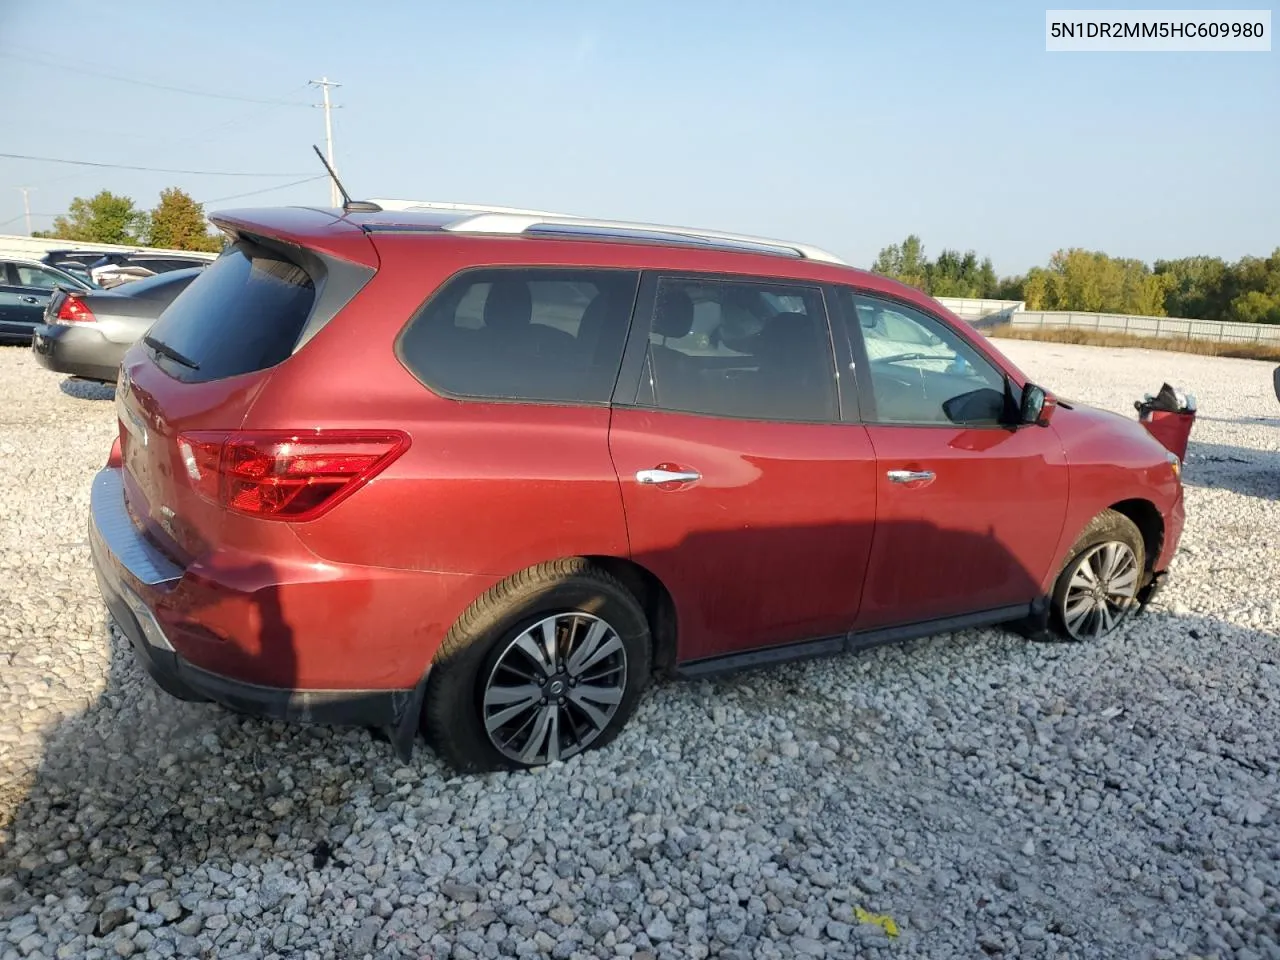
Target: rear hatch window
<point x="244" y="313"/>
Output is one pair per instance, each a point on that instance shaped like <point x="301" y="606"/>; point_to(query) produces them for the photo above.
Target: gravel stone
<point x="995" y="796"/>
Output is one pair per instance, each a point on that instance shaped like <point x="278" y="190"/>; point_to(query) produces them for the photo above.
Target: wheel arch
<point x="656" y="601"/>
<point x="1147" y="518"/>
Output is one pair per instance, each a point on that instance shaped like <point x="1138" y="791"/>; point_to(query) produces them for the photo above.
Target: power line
<point x="254" y="193"/>
<point x="125" y="166"/>
<point x="5" y="223"/>
<point x="147" y="83"/>
<point x="213" y="133"/>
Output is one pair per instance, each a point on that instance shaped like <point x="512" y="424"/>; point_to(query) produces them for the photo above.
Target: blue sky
<point x="845" y="124"/>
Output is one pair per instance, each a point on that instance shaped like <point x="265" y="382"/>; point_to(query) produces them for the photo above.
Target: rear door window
<point x="540" y="334"/>
<point x="750" y="349"/>
<point x="38" y="279"/>
<point x="245" y="312"/>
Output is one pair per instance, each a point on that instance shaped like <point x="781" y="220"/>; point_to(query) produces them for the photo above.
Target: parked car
<point x="77" y="270"/>
<point x="86" y="333"/>
<point x="477" y="473"/>
<point x="25" y="289"/>
<point x="82" y="258"/>
<point x="113" y="269"/>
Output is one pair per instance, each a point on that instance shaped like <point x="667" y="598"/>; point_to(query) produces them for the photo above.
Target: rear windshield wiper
<point x="162" y="348"/>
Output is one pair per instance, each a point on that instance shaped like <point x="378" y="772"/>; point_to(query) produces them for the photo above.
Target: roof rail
<point x="404" y="205"/>
<point x="518" y="222"/>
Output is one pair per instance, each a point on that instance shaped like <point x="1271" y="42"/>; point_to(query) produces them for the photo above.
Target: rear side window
<point x="243" y="313"/>
<point x="540" y="334"/>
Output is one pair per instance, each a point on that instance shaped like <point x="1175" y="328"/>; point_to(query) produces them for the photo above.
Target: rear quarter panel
<point x="485" y="488"/>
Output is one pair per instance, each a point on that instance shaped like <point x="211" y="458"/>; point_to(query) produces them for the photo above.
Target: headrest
<point x="508" y="306"/>
<point x="674" y="315"/>
<point x="786" y="338"/>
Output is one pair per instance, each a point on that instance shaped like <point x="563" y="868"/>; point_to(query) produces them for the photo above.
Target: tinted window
<point x="244" y="312"/>
<point x="921" y="371"/>
<point x="740" y="349"/>
<point x="536" y="334"/>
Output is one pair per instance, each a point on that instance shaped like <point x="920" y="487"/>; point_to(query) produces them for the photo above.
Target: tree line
<point x="176" y="222"/>
<point x="1200" y="288"/>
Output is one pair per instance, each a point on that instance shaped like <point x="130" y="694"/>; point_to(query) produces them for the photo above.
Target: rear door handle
<point x="30" y="299"/>
<point x="659" y="475"/>
<point x="911" y="476"/>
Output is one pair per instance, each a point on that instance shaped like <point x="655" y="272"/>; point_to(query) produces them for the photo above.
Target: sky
<point x="841" y="123"/>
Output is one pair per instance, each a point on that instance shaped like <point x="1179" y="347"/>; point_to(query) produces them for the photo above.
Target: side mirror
<point x="1037" y="406"/>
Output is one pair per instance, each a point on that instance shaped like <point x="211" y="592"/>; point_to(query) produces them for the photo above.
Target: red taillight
<point x="72" y="310"/>
<point x="285" y="476"/>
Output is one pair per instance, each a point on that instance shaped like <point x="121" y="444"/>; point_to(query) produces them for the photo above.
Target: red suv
<point x="486" y="473"/>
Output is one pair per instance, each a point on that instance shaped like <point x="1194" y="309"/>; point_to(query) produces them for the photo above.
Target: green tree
<point x="906" y="262"/>
<point x="1256" y="307"/>
<point x="1010" y="288"/>
<point x="104" y="218"/>
<point x="178" y="223"/>
<point x="955" y="274"/>
<point x="1198" y="287"/>
<point x="1093" y="282"/>
<point x="988" y="284"/>
<point x="1201" y="287"/>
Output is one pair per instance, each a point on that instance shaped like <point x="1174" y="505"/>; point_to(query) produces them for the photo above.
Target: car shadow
<point x="1244" y="470"/>
<point x="87" y="389"/>
<point x="141" y="789"/>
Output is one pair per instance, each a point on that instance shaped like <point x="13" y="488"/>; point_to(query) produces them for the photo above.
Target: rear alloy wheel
<point x="543" y="666"/>
<point x="555" y="688"/>
<point x="1098" y="588"/>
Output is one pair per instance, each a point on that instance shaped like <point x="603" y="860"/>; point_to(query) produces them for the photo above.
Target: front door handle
<point x="661" y="475"/>
<point x="911" y="476"/>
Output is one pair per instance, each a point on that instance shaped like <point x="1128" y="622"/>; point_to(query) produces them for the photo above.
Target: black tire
<point x="452" y="711"/>
<point x="1107" y="527"/>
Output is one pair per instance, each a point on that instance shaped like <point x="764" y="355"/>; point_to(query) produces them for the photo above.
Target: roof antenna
<point x="348" y="205"/>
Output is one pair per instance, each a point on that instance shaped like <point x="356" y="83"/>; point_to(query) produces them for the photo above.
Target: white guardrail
<point x="991" y="313"/>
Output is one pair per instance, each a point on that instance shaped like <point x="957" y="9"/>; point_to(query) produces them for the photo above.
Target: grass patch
<point x="1103" y="338"/>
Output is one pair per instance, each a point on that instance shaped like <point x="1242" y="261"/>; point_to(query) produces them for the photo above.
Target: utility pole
<point x="324" y="83"/>
<point x="26" y="206"/>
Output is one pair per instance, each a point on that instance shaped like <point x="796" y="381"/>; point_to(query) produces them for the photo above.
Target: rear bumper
<point x="77" y="350"/>
<point x="130" y="569"/>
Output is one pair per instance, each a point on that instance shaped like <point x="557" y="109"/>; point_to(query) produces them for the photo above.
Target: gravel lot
<point x="993" y="796"/>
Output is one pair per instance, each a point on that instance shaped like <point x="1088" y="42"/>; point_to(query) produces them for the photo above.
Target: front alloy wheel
<point x="1102" y="590"/>
<point x="555" y="688"/>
